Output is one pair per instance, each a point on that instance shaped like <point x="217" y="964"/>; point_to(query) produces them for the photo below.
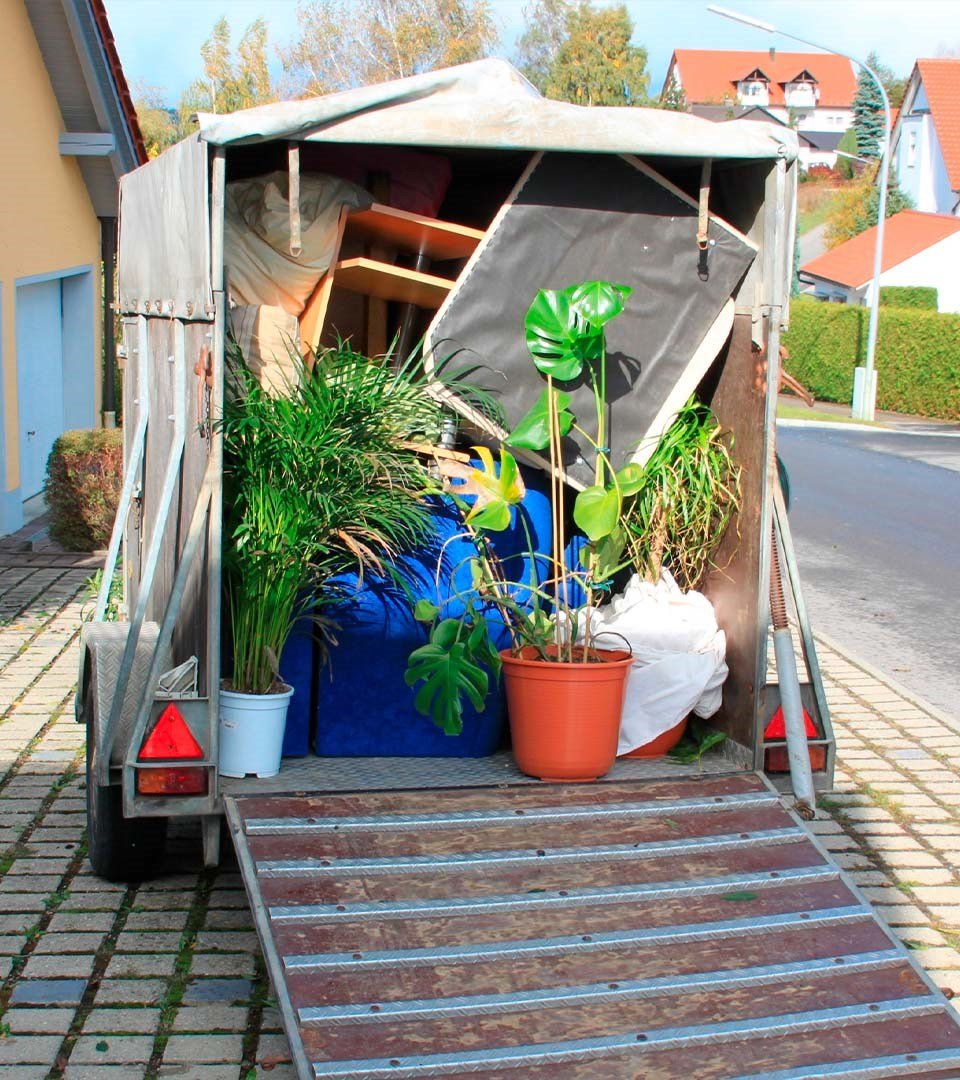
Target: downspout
<point x="108" y="257"/>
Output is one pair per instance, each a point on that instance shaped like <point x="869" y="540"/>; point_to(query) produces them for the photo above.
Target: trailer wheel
<point x="119" y="848"/>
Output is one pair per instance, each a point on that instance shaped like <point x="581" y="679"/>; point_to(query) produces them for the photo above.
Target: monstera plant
<point x="564" y="694"/>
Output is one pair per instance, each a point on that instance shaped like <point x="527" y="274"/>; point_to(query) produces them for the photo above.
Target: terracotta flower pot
<point x="565" y="717"/>
<point x="661" y="745"/>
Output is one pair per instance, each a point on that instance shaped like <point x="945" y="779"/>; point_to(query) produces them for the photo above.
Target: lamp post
<point x="865" y="383"/>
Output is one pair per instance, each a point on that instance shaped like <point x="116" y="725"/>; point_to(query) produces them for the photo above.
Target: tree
<point x="158" y="124"/>
<point x="868" y="119"/>
<point x="674" y="97"/>
<point x="342" y="44"/>
<point x="895" y="85"/>
<point x="857" y="208"/>
<point x="574" y="51"/>
<point x="230" y="82"/>
<point x="846" y="166"/>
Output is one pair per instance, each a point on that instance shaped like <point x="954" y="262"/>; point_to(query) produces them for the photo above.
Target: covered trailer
<point x="424" y="917"/>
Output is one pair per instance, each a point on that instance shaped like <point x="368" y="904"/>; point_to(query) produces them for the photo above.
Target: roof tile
<point x="941" y="80"/>
<point x="711" y="75"/>
<point x="906" y="234"/>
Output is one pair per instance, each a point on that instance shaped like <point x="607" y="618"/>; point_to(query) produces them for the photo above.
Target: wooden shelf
<point x="388" y="282"/>
<point x="412" y="232"/>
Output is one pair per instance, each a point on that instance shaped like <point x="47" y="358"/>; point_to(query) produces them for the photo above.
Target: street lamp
<point x="865" y="382"/>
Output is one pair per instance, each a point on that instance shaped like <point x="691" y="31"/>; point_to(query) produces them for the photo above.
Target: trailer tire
<point x="120" y="849"/>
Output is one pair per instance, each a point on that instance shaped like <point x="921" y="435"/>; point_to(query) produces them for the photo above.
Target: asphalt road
<point x="875" y="517"/>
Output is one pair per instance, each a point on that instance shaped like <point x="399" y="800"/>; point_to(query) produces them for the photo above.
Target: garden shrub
<point x="917" y="359"/>
<point x="909" y="296"/>
<point x="84" y="478"/>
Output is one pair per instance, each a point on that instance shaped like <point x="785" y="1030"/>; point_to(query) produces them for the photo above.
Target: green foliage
<point x="688" y="494"/>
<point x="868" y="118"/>
<point x="573" y="50"/>
<point x="346" y="43"/>
<point x="846" y="167"/>
<point x="699" y="738"/>
<point x="452" y="665"/>
<point x="229" y="81"/>
<point x="857" y="208"/>
<point x="918" y="356"/>
<point x="159" y="125"/>
<point x="84" y="478"/>
<point x="674" y="97"/>
<point x="114" y="596"/>
<point x="565" y="337"/>
<point x="317" y="484"/>
<point x="922" y="297"/>
<point x="895" y="85"/>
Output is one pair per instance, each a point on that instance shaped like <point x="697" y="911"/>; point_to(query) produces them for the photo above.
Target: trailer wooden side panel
<point x="622" y="929"/>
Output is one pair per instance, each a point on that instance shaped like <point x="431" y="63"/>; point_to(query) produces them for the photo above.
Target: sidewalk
<point x="891" y="421"/>
<point x="109" y="982"/>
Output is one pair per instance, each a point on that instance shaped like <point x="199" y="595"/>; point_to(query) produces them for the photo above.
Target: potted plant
<point x="564" y="692"/>
<point x="320" y="481"/>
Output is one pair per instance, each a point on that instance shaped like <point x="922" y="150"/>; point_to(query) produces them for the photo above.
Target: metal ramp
<point x="669" y="930"/>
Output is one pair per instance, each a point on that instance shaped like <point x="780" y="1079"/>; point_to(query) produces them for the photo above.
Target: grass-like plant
<point x="689" y="492"/>
<point x="319" y="482"/>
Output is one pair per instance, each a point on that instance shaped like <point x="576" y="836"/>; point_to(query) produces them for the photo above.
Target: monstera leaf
<point x="533" y="431"/>
<point x="598" y="301"/>
<point x="452" y="665"/>
<point x="630" y="479"/>
<point x="496" y="492"/>
<point x="597" y="511"/>
<point x="558" y="337"/>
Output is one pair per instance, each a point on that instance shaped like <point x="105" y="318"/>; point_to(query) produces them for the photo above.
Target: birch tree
<point x="341" y="45"/>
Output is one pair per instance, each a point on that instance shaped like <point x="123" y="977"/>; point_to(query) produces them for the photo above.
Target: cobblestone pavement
<point x="165" y="979"/>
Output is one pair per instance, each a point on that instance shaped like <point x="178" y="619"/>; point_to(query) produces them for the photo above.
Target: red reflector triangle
<point x="777" y="728"/>
<point x="170" y="738"/>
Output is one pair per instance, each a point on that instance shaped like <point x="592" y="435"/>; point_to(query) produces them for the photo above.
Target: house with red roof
<point x="918" y="249"/>
<point x="926" y="137"/>
<point x="813" y="92"/>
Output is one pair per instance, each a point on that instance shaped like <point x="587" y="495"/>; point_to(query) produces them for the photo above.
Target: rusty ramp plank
<point x="663" y="929"/>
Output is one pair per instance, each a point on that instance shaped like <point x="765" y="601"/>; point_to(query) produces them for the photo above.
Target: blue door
<point x="39" y="315"/>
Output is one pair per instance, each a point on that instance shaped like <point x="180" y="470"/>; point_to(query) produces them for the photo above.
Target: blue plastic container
<point x="364" y="708"/>
<point x="297" y="666"/>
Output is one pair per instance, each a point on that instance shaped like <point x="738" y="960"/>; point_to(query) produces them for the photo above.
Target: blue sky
<point x="159" y="40"/>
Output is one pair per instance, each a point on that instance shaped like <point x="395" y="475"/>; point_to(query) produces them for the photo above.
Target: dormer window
<point x="754" y="88"/>
<point x="802" y="91"/>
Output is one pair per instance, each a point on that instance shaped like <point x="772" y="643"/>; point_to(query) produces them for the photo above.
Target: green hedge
<point x="918" y="355"/>
<point x="84" y="478"/>
<point x="923" y="297"/>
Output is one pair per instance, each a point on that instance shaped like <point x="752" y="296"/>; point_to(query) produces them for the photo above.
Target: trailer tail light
<point x="171" y="740"/>
<point x="174" y="780"/>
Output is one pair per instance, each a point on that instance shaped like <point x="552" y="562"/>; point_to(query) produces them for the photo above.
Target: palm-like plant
<point x="319" y="482"/>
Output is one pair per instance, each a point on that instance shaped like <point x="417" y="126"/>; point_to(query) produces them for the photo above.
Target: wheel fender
<point x="102" y="650"/>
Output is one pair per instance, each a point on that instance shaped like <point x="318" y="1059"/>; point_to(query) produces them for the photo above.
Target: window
<point x="912" y="149"/>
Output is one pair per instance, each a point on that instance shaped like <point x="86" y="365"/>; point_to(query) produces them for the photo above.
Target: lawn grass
<point x="801" y="412"/>
<point x="816" y="215"/>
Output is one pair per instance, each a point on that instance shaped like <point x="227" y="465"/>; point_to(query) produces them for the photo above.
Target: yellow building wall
<point x="47" y="222"/>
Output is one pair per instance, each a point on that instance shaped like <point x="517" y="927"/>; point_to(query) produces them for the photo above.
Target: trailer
<point x="426" y="917"/>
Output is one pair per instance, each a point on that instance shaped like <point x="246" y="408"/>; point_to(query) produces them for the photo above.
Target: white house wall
<point x="935" y="267"/>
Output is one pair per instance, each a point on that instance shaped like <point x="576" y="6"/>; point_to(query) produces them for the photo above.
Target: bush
<point x="823" y="174"/>
<point x="917" y="359"/>
<point x="84" y="478"/>
<point x="923" y="297"/>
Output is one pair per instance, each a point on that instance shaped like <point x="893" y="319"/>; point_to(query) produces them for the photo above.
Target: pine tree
<point x="868" y="117"/>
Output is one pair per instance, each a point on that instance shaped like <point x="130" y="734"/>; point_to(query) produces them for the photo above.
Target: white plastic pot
<point x="251" y="732"/>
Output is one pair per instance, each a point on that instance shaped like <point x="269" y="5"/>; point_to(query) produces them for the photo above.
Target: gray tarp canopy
<point x="489" y="104"/>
